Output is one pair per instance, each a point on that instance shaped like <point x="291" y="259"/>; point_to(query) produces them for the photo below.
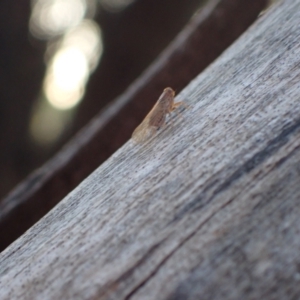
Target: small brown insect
<point x="156" y="118"/>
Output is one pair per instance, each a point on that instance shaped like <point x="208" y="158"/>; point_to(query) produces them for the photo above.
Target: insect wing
<point x="142" y="132"/>
<point x="157" y="116"/>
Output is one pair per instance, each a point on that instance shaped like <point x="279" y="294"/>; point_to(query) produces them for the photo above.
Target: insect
<point x="156" y="118"/>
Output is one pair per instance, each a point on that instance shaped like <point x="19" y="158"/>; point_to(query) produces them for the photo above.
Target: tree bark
<point x="203" y="40"/>
<point x="208" y="208"/>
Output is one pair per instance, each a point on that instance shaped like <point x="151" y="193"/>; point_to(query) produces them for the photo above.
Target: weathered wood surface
<point x="207" y="209"/>
<point x="199" y="43"/>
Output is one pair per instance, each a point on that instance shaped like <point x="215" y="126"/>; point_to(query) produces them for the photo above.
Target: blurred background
<point x="62" y="61"/>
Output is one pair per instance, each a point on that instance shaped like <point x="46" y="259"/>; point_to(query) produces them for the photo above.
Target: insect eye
<point x="169" y="91"/>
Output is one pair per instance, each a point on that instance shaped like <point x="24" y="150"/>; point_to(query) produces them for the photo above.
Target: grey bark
<point x="216" y="27"/>
<point x="206" y="209"/>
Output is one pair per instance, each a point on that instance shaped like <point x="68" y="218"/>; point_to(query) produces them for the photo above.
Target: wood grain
<point x="216" y="27"/>
<point x="206" y="209"/>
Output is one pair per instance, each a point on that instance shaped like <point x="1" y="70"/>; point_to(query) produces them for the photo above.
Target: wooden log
<point x="202" y="41"/>
<point x="208" y="208"/>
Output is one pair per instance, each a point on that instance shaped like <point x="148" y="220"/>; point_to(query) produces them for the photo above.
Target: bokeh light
<point x="73" y="52"/>
<point x="88" y="39"/>
<point x="53" y="17"/>
<point x="47" y="124"/>
<point x="71" y="65"/>
<point x="66" y="77"/>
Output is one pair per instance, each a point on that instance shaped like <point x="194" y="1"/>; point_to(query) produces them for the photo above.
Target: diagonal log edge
<point x="220" y="23"/>
<point x="124" y="209"/>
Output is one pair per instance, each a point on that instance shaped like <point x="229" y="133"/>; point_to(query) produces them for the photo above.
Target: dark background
<point x="132" y="39"/>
